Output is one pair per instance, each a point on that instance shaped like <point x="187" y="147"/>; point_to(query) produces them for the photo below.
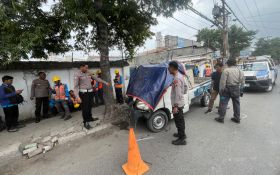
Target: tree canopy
<point x="268" y="47"/>
<point x="27" y="31"/>
<point x="238" y="39"/>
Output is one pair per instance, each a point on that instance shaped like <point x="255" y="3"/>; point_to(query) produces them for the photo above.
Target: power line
<point x="235" y="16"/>
<point x="201" y="21"/>
<point x="247" y="6"/>
<point x="203" y="16"/>
<point x="258" y="10"/>
<point x="184" y="24"/>
<point x="265" y="14"/>
<point x="240" y="11"/>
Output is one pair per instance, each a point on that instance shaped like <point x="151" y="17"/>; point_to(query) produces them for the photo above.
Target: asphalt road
<point x="250" y="148"/>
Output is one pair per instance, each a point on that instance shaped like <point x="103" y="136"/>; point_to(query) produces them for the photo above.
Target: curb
<point x="13" y="150"/>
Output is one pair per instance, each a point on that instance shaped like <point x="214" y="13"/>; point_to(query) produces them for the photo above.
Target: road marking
<point x="145" y="138"/>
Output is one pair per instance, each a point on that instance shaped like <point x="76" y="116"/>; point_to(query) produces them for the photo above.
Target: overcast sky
<point x="260" y="15"/>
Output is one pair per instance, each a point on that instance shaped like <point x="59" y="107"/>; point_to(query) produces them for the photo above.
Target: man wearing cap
<point x="84" y="92"/>
<point x="118" y="86"/>
<point x="40" y="90"/>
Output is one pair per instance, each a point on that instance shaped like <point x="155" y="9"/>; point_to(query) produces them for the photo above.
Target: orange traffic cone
<point x="135" y="165"/>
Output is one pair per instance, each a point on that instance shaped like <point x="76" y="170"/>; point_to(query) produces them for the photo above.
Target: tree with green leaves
<point x="239" y="39"/>
<point x="27" y="31"/>
<point x="268" y="47"/>
<point x="97" y="24"/>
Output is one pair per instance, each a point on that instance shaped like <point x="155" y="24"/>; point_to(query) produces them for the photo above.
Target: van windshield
<point x="255" y="66"/>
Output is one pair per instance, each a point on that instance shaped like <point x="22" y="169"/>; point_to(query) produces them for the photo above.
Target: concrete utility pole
<point x="225" y="31"/>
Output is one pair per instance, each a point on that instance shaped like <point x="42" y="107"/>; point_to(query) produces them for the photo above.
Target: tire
<point x="204" y="101"/>
<point x="158" y="121"/>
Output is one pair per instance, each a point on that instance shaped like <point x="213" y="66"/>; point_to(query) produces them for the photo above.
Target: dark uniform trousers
<point x="232" y="93"/>
<point x="39" y="102"/>
<point x="11" y="116"/>
<point x="180" y="123"/>
<point x="119" y="95"/>
<point x="95" y="98"/>
<point x="87" y="101"/>
<point x="100" y="96"/>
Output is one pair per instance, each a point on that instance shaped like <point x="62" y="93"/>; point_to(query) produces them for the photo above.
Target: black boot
<point x="208" y="111"/>
<point x="177" y="135"/>
<point x="220" y="120"/>
<point x="179" y="141"/>
<point x="235" y="120"/>
<point x="87" y="126"/>
<point x="37" y="120"/>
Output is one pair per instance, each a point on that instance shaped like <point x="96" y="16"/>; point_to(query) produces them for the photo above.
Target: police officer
<point x="84" y="92"/>
<point x="178" y="103"/>
<point x="231" y="87"/>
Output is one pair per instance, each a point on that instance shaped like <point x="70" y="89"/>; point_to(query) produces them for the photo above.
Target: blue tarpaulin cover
<point x="148" y="83"/>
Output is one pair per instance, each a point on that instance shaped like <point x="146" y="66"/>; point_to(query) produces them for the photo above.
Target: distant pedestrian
<point x="40" y="90"/>
<point x="231" y="87"/>
<point x="178" y="103"/>
<point x="216" y="76"/>
<point x="118" y="86"/>
<point x="196" y="71"/>
<point x="208" y="71"/>
<point x="84" y="92"/>
<point x="9" y="103"/>
<point x="61" y="98"/>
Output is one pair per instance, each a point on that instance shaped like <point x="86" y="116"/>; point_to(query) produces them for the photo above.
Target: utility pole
<point x="225" y="31"/>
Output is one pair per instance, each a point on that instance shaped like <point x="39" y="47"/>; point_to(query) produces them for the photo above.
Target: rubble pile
<point x="41" y="145"/>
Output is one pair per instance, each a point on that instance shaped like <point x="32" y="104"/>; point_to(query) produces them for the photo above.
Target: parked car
<point x="260" y="74"/>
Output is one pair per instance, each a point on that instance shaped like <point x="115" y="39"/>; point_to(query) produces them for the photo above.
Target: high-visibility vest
<point x="94" y="85"/>
<point x="208" y="72"/>
<point x="59" y="92"/>
<point x="100" y="85"/>
<point x="118" y="84"/>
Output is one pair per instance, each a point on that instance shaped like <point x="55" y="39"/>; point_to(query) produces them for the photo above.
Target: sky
<point x="259" y="15"/>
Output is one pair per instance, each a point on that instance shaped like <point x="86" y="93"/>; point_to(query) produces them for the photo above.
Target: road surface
<point x="250" y="148"/>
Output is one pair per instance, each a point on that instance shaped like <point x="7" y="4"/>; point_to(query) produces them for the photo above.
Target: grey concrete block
<point x="29" y="150"/>
<point x="39" y="150"/>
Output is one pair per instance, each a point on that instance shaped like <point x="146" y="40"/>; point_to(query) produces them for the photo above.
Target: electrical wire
<point x="184" y="23"/>
<point x="258" y="10"/>
<point x="247" y="6"/>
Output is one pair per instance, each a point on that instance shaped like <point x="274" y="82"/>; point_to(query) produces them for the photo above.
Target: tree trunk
<point x="103" y="47"/>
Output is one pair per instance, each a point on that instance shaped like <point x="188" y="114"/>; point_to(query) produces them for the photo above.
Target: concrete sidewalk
<point x="64" y="130"/>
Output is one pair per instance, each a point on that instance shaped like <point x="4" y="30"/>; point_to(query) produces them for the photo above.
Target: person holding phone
<point x="8" y="96"/>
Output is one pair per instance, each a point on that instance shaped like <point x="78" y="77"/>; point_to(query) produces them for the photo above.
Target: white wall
<point x="23" y="80"/>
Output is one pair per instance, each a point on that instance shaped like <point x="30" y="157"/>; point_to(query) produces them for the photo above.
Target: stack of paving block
<point x="40" y="146"/>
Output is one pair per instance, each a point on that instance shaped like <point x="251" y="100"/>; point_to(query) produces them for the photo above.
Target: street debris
<point x="41" y="145"/>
